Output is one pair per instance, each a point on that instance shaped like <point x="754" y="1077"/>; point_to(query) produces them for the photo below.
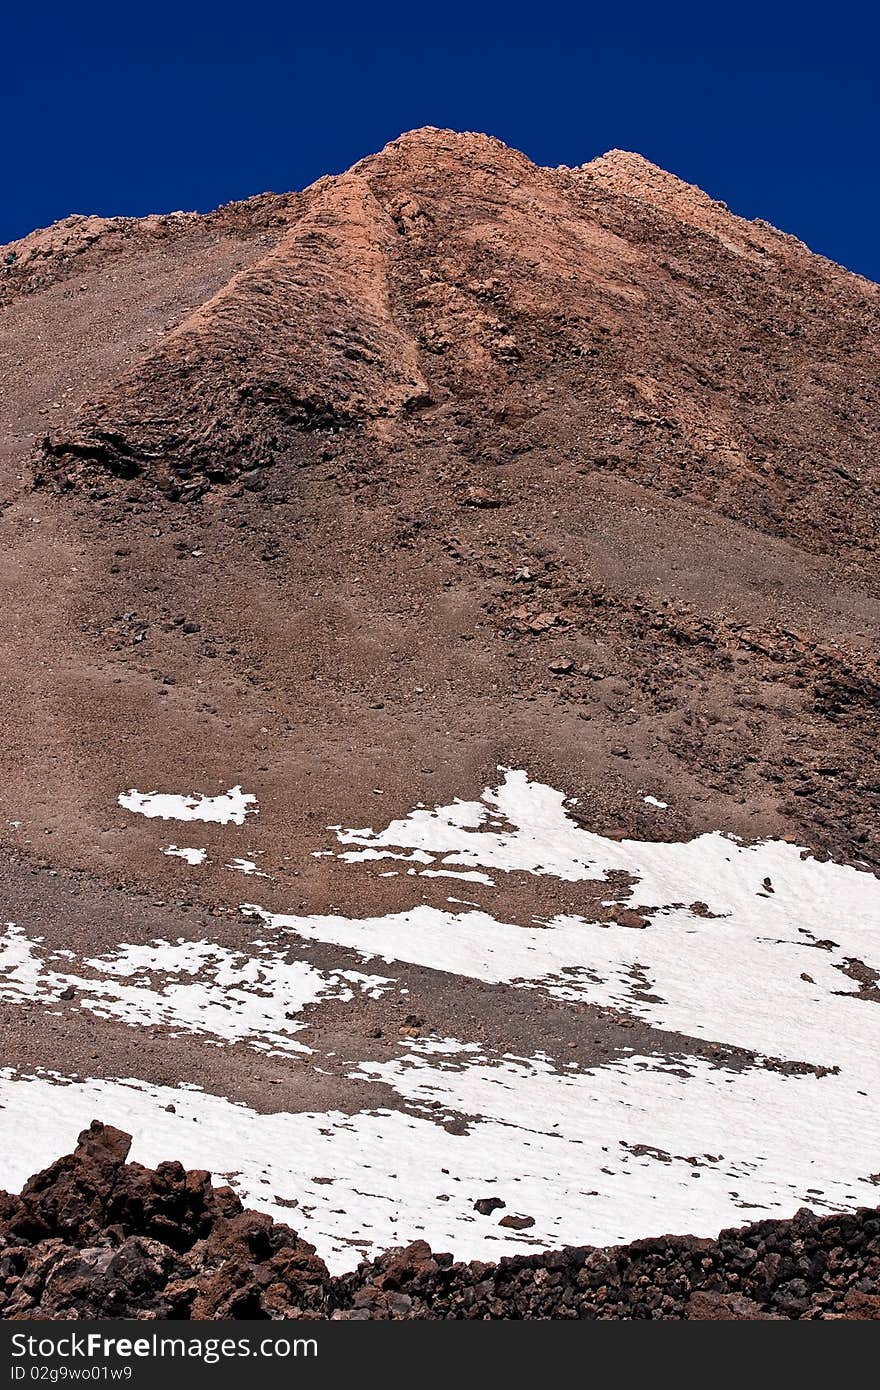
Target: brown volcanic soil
<point x="445" y="463"/>
<point x="94" y="1236"/>
<point x="430" y="426"/>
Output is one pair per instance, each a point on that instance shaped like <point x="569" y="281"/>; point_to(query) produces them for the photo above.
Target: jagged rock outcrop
<point x="94" y="1236"/>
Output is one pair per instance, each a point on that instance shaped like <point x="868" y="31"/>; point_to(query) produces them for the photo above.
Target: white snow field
<point x="760" y="949"/>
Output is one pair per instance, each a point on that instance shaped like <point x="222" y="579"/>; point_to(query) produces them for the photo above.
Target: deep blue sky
<point x="135" y="108"/>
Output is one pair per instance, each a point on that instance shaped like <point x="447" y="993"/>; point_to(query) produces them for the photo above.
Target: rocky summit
<point x="439" y="772"/>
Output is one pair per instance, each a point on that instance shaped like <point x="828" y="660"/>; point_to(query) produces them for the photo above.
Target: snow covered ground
<point x="761" y="949"/>
<point x="186" y="986"/>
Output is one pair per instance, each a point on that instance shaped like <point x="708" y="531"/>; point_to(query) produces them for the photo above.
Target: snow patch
<point x="246" y="866"/>
<point x="195" y="987"/>
<point x="749" y="945"/>
<point x="192" y="856"/>
<point x="230" y="807"/>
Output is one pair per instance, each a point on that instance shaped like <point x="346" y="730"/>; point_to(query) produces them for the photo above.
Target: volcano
<point x="440" y="728"/>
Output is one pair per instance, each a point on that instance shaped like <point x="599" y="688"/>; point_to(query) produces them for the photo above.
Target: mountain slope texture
<point x="429" y="598"/>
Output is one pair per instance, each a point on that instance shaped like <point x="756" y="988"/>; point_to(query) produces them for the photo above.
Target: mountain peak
<point x="435" y="147"/>
<point x="449" y="274"/>
<point x="630" y="175"/>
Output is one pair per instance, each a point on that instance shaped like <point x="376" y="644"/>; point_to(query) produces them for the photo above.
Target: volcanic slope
<point x="553" y="490"/>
